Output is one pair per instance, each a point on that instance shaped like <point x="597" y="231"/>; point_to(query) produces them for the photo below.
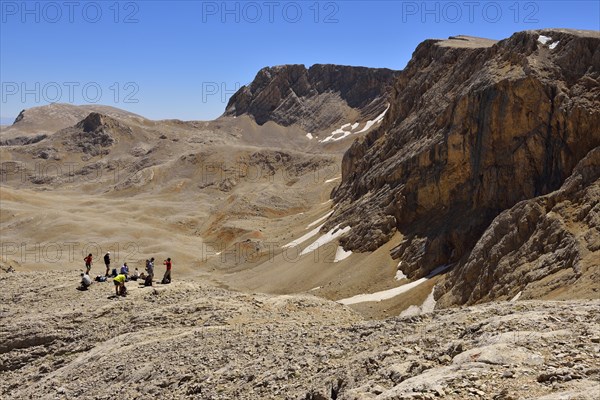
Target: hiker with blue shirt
<point x="125" y="270"/>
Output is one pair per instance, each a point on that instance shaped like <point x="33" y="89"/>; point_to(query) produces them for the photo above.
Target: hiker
<point x="125" y="270"/>
<point x="150" y="270"/>
<point x="107" y="262"/>
<point x="88" y="263"/>
<point x="86" y="281"/>
<point x="119" y="281"/>
<point x="135" y="275"/>
<point x="167" y="278"/>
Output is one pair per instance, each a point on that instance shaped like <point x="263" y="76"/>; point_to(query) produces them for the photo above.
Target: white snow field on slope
<point x="377" y="120"/>
<point x="303" y="238"/>
<point x="391" y="293"/>
<point x="427" y="307"/>
<point x="323" y="218"/>
<point x="350" y="129"/>
<point x="517" y="297"/>
<point x="545" y="39"/>
<point x="341" y="254"/>
<point x="399" y="274"/>
<point x="324" y="239"/>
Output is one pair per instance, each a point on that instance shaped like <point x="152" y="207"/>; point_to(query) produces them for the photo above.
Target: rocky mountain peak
<point x="90" y="123"/>
<point x="19" y="117"/>
<point x="314" y="98"/>
<point x="96" y="121"/>
<point x="96" y="132"/>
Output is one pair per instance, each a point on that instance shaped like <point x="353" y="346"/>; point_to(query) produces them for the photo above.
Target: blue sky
<point x="183" y="59"/>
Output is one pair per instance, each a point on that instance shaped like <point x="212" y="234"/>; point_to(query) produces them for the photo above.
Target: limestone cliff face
<point x="473" y="128"/>
<point x="314" y="98"/>
<point x="546" y="247"/>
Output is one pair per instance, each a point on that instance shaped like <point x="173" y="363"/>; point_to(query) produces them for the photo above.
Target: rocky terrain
<point x="193" y="340"/>
<point x="475" y="127"/>
<point x="314" y="98"/>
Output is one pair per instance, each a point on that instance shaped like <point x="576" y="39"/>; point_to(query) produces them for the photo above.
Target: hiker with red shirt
<point x="88" y="263"/>
<point x="167" y="278"/>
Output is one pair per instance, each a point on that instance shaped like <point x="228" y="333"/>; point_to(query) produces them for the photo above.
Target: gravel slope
<point x="193" y="340"/>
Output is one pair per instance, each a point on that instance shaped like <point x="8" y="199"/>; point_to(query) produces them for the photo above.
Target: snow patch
<point x="391" y="293"/>
<point x="429" y="304"/>
<point x="324" y="239"/>
<point x="517" y="297"/>
<point x="377" y="120"/>
<point x="399" y="275"/>
<point x="303" y="238"/>
<point x="383" y="295"/>
<point x="333" y="179"/>
<point x="309" y="135"/>
<point x="368" y="126"/>
<point x="427" y="307"/>
<point x="336" y="135"/>
<point x="320" y="219"/>
<point x="350" y="128"/>
<point x="544" y="39"/>
<point x="341" y="254"/>
<point x="411" y="311"/>
<point x="553" y="45"/>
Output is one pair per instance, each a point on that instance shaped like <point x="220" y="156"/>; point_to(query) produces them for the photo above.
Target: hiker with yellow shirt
<point x="119" y="281"/>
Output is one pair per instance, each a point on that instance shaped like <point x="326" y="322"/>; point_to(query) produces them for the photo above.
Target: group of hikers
<point x="122" y="275"/>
